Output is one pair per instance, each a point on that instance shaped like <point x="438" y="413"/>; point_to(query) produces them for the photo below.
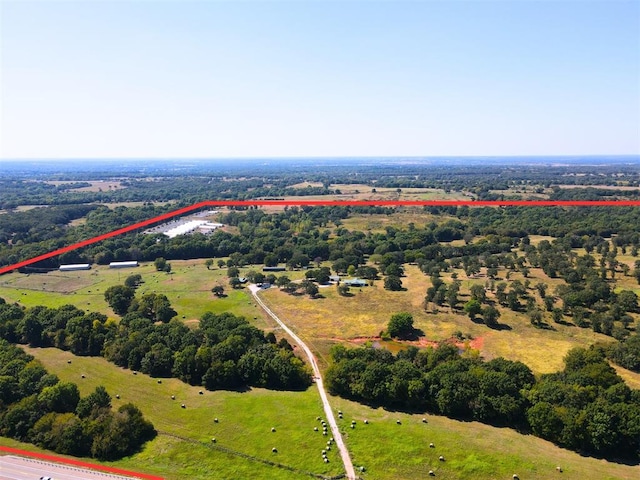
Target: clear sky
<point x="168" y="79"/>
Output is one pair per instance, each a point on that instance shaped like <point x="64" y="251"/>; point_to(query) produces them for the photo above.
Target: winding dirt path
<point x="337" y="436"/>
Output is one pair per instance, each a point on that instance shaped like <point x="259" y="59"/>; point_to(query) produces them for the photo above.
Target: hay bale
<point x="173" y="397"/>
<point x="431" y="445"/>
<point x="215" y="420"/>
<point x="68" y="361"/>
<point x="274" y="450"/>
<point x="82" y="375"/>
<point x="366" y="422"/>
<point x="432" y="473"/>
<point x="201" y="392"/>
<point x="326" y="460"/>
<point x="441" y="458"/>
<point x="183" y="406"/>
<point x="273" y="429"/>
<point x="398" y="422"/>
<point x="159" y="381"/>
<point x="118" y="397"/>
<point x="559" y="469"/>
<point x="213" y="440"/>
<point x="515" y="476"/>
<point x="135" y="373"/>
<point x="353" y="426"/>
<point x="324" y="433"/>
<point x="424" y="420"/>
<point x="315" y="429"/>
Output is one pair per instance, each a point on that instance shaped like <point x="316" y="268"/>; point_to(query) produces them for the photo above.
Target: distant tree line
<point x="36" y="407"/>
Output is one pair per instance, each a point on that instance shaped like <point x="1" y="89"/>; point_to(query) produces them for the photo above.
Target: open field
<point x="387" y="450"/>
<point x="95" y="185"/>
<point x="400" y="219"/>
<point x="324" y="321"/>
<point x="184" y="448"/>
<point x="188" y="287"/>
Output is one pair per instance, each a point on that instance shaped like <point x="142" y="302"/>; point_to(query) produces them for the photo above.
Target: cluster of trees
<point x="36" y="407"/>
<point x="586" y="407"/>
<point x="224" y="352"/>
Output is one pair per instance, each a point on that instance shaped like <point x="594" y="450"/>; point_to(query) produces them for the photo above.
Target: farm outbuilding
<point x="354" y="282"/>
<point x="130" y="264"/>
<point x="74" y="266"/>
<point x="273" y="269"/>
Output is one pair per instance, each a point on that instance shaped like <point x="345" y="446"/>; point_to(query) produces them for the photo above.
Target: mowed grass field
<point x="188" y="287"/>
<point x="183" y="449"/>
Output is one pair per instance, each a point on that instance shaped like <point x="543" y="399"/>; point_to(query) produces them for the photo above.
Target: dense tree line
<point x="224" y="352"/>
<point x="586" y="407"/>
<point x="36" y="407"/>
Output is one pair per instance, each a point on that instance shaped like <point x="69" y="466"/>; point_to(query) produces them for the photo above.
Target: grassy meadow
<point x="387" y="450"/>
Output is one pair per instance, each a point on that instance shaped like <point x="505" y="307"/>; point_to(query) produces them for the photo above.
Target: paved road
<point x="337" y="436"/>
<point x="18" y="468"/>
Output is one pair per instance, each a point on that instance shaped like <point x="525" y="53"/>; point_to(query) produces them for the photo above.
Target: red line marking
<point x="78" y="463"/>
<point x="328" y="203"/>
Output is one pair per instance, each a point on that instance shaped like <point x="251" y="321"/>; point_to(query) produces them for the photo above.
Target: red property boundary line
<point x="78" y="463"/>
<point x="326" y="203"/>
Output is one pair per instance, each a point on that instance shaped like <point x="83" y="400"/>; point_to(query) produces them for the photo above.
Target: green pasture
<point x="386" y="449"/>
<point x="184" y="447"/>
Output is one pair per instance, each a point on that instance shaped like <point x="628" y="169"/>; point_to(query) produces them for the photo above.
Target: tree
<point x="63" y="397"/>
<point x="310" y="288"/>
<point x="393" y="283"/>
<point x="473" y="308"/>
<point x="343" y="290"/>
<point x="233" y="272"/>
<point x="478" y="293"/>
<point x="400" y="325"/>
<point x="119" y="298"/>
<point x="490" y="316"/>
<point x="208" y="263"/>
<point x="535" y="316"/>
<point x="218" y="291"/>
<point x="133" y="281"/>
<point x="160" y="264"/>
<point x="221" y="263"/>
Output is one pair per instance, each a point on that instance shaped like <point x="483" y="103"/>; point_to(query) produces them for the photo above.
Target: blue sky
<point x="317" y="78"/>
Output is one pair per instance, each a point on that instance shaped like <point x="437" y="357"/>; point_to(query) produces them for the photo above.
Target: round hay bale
<point x="431" y="445"/>
<point x="315" y="429"/>
<point x="362" y="469"/>
<point x="559" y="469"/>
<point x="424" y="420"/>
<point x="432" y="473"/>
<point x="326" y="460"/>
<point x="353" y="426"/>
<point x="213" y="440"/>
<point x="441" y="458"/>
<point x="324" y="433"/>
<point x="118" y="397"/>
<point x="273" y="429"/>
<point x="318" y="418"/>
<point x="68" y="361"/>
<point x="82" y="375"/>
<point x="398" y="422"/>
<point x="215" y="420"/>
<point x="366" y="422"/>
<point x="274" y="450"/>
<point x="201" y="392"/>
<point x="183" y="406"/>
<point x="173" y="397"/>
<point x="515" y="476"/>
